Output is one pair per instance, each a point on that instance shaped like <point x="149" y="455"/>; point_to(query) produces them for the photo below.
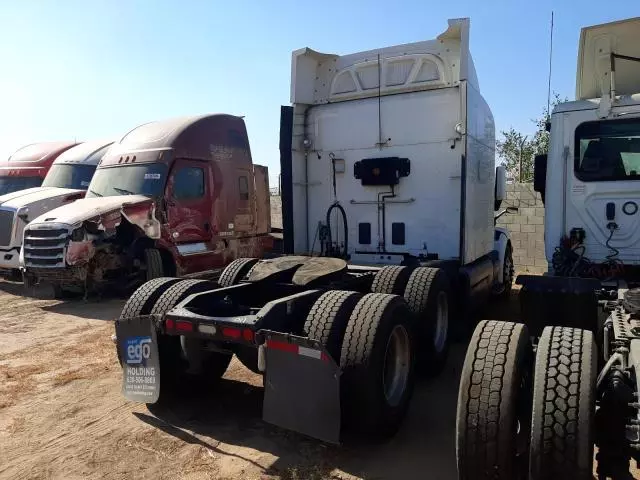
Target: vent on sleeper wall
<point x="428" y="73"/>
<point x="398" y="71"/>
<point x="368" y="76"/>
<point x="408" y="71"/>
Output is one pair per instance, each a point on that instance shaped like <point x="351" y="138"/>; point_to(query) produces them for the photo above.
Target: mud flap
<point x="302" y="387"/>
<point x="138" y="346"/>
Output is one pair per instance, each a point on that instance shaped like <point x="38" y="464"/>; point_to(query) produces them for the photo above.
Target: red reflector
<point x="169" y="324"/>
<point x="284" y="346"/>
<point x="183" y="326"/>
<point x="247" y="335"/>
<point x="231" y="332"/>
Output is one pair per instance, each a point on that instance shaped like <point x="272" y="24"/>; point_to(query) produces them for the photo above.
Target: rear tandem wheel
<point x="377" y="360"/>
<point x="563" y="405"/>
<point x="494" y="403"/>
<point x="428" y="293"/>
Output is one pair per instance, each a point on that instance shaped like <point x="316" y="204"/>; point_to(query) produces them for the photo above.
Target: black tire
<point x="327" y="320"/>
<point x="236" y="271"/>
<point x="562" y="434"/>
<point x="503" y="291"/>
<point x="153" y="262"/>
<point x="428" y="294"/>
<point x="178" y="292"/>
<point x="173" y="366"/>
<point x="365" y="406"/>
<point x="493" y="399"/>
<point x="144" y="298"/>
<point x="391" y="280"/>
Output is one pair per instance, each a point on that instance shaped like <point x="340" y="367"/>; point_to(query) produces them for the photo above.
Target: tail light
<point x="184" y="326"/>
<point x="234" y="333"/>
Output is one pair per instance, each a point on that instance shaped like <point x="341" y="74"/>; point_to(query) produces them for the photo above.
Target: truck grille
<point x="45" y="248"/>
<point x="6" y="227"/>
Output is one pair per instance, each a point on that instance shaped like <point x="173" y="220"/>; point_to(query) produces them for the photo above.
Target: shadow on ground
<point x="423" y="448"/>
<point x="425" y="445"/>
<point x="106" y="309"/>
<point x="18" y="288"/>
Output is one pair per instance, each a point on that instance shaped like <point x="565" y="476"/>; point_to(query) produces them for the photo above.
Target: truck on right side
<point x="537" y="396"/>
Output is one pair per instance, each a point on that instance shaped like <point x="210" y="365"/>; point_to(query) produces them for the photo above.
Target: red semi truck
<point x="179" y="197"/>
<point x="28" y="166"/>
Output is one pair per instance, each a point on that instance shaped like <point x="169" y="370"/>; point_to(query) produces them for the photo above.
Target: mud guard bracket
<point x="301" y="386"/>
<point x="137" y="343"/>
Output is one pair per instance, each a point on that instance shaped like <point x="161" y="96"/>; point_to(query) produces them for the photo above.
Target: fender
<point x="501" y="239"/>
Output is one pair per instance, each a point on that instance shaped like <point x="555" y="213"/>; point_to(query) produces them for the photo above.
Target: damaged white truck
<point x="67" y="180"/>
<point x="389" y="197"/>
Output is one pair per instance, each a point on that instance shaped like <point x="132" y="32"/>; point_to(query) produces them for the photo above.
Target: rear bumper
<point x="238" y="330"/>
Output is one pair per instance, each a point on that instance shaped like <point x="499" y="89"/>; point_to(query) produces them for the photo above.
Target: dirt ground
<point x="62" y="415"/>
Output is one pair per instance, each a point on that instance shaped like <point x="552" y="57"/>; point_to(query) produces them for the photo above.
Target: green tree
<point x="516" y="149"/>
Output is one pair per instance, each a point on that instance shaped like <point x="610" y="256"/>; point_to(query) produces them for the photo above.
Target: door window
<point x="188" y="183"/>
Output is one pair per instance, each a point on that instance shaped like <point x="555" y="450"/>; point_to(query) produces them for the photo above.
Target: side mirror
<point x="540" y="174"/>
<point x="500" y="187"/>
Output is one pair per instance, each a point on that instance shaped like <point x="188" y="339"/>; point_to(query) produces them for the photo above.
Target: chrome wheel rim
<point x="395" y="373"/>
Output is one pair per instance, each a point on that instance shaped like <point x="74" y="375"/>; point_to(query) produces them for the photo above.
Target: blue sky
<point x="86" y="69"/>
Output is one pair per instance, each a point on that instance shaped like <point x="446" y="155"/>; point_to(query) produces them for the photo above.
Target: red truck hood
<point x="90" y="208"/>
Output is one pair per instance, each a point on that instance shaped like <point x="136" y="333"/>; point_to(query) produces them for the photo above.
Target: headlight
<point x="78" y="234"/>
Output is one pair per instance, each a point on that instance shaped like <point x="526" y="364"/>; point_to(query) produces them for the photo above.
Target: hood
<point x="29" y="196"/>
<point x="597" y="45"/>
<point x="88" y="208"/>
<point x="10" y="196"/>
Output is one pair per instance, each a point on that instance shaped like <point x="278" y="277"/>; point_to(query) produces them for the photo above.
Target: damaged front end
<point x="91" y="253"/>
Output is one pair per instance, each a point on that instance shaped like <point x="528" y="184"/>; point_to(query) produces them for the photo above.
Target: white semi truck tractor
<point x="389" y="192"/>
<point x="536" y="397"/>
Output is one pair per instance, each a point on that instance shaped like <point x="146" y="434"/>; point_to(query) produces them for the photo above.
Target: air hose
<point x="331" y="250"/>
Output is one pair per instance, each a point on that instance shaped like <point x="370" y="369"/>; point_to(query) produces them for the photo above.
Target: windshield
<point x="69" y="176"/>
<point x="13" y="184"/>
<point x="143" y="179"/>
<point x="608" y="150"/>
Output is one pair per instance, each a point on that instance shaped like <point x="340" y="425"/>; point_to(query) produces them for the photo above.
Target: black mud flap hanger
<point x="137" y="345"/>
<point x="558" y="301"/>
<point x="301" y="386"/>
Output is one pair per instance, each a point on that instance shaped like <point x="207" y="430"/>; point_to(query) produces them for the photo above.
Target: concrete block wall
<point x="526" y="227"/>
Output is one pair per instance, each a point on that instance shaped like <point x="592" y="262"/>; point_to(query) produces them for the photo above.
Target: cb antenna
<point x="550" y="57"/>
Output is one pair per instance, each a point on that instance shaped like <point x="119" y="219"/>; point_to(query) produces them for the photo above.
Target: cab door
<point x="189" y="206"/>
